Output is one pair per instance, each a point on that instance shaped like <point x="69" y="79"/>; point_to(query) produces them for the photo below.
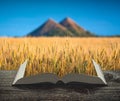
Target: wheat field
<point x="59" y="55"/>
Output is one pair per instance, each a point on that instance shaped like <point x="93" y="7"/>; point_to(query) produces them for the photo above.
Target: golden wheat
<point x="59" y="55"/>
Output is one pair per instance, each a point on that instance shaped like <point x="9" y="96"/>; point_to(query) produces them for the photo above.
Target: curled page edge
<point x="20" y="72"/>
<point x="99" y="71"/>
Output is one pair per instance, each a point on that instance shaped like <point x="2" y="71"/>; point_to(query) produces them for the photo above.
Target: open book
<point x="54" y="79"/>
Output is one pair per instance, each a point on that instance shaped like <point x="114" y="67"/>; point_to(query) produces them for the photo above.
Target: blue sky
<point x="19" y="17"/>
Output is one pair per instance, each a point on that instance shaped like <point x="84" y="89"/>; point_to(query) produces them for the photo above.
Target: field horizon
<point x="60" y="55"/>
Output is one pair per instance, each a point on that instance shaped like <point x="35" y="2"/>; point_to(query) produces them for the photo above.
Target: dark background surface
<point x="48" y="93"/>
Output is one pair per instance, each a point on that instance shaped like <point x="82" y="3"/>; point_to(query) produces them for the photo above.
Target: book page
<point x="81" y="78"/>
<point x="40" y="78"/>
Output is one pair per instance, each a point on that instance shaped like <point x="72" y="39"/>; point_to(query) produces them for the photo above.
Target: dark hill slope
<point x="74" y="28"/>
<point x="50" y="28"/>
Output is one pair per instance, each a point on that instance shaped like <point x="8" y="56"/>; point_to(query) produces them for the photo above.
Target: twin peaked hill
<point x="67" y="27"/>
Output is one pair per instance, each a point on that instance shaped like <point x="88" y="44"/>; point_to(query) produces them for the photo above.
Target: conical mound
<point x="50" y="28"/>
<point x="74" y="28"/>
